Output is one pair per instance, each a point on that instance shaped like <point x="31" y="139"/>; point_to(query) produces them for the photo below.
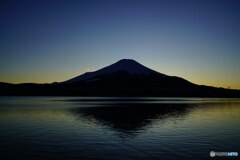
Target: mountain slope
<point x="125" y="65"/>
<point x="127" y="71"/>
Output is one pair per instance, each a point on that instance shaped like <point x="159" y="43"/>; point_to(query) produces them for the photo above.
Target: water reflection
<point x="116" y="129"/>
<point x="129" y="118"/>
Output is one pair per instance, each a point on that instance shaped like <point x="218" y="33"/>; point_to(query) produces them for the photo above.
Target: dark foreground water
<point x="118" y="128"/>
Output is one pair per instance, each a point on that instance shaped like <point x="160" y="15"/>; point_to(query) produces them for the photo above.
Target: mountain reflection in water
<point x="130" y="117"/>
<point x="117" y="128"/>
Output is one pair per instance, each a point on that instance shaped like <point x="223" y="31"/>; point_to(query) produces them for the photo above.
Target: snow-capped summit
<point x="128" y="66"/>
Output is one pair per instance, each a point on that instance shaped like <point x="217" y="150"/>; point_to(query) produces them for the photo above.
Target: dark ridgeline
<point x="123" y="78"/>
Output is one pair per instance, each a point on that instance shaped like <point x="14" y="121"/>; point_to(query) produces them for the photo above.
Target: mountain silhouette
<point x="123" y="78"/>
<point x="127" y="71"/>
<point x="128" y="67"/>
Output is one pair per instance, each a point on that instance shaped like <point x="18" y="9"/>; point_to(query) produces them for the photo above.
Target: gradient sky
<point x="43" y="41"/>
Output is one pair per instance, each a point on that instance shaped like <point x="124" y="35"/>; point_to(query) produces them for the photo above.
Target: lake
<point x="118" y="128"/>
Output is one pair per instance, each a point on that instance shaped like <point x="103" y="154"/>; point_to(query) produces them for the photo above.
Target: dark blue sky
<point x="53" y="40"/>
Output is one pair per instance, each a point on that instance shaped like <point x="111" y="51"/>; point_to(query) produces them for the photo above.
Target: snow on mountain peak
<point x="128" y="65"/>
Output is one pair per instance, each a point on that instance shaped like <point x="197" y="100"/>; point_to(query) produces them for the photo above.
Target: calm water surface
<point x="117" y="128"/>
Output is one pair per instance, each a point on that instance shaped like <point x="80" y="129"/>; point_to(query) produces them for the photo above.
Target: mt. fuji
<point x="129" y="71"/>
<point x="127" y="66"/>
